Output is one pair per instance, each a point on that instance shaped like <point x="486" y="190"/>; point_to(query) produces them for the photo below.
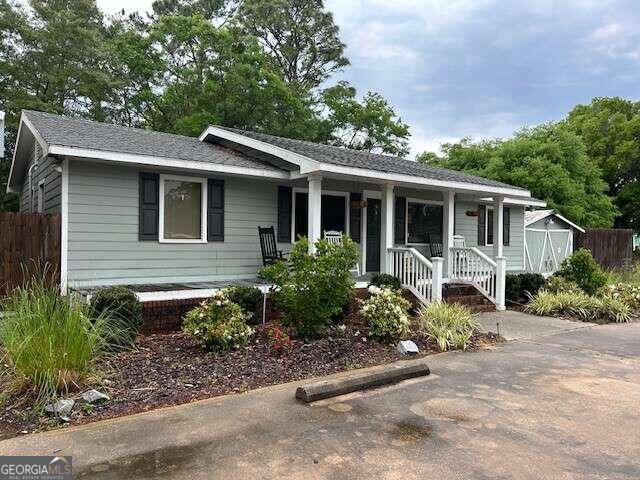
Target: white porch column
<point x="501" y="262"/>
<point x="436" y="279"/>
<point x="448" y="219"/>
<point x="498" y="225"/>
<point x="386" y="230"/>
<point x="314" y="211"/>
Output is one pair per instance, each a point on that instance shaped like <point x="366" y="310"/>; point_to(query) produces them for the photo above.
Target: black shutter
<point x="400" y="220"/>
<point x="355" y="217"/>
<point x="149" y="209"/>
<point x="506" y="225"/>
<point x="284" y="214"/>
<point x="482" y="215"/>
<point x="215" y="210"/>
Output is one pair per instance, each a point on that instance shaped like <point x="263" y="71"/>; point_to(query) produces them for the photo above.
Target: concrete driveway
<point x="563" y="406"/>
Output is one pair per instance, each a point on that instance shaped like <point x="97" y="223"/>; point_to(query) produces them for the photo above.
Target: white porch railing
<point x="417" y="274"/>
<point x="470" y="265"/>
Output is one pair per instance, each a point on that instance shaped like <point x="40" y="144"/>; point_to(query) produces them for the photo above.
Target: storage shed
<point x="548" y="240"/>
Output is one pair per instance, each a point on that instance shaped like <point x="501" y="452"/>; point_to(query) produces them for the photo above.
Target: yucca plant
<point x="50" y="342"/>
<point x="449" y="325"/>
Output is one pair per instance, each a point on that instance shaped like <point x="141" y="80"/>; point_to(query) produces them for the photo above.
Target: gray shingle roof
<point x="370" y="161"/>
<point x="81" y="133"/>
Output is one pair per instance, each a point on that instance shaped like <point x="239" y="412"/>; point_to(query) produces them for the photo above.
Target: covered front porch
<point x="409" y="233"/>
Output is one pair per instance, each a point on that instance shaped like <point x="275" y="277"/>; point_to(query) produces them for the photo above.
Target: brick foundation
<point x="165" y="316"/>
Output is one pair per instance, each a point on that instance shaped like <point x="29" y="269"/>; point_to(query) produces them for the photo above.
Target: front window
<point x="423" y="220"/>
<point x="182" y="209"/>
<point x="489" y="227"/>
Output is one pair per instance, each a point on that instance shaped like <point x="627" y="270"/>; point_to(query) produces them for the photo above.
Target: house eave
<point x="164" y="162"/>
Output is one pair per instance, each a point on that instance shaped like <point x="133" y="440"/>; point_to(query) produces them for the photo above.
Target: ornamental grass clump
<point x="386" y="313"/>
<point x="218" y="323"/>
<point x="449" y="325"/>
<point x="579" y="305"/>
<point x="50" y="343"/>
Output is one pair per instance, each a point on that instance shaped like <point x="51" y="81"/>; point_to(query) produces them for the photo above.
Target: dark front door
<point x="373" y="234"/>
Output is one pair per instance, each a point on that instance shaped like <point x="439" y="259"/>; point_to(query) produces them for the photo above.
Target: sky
<point x="483" y="68"/>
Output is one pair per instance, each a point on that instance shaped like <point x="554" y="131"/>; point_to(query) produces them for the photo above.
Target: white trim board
<point x="203" y="209"/>
<point x="568" y="222"/>
<point x="64" y="226"/>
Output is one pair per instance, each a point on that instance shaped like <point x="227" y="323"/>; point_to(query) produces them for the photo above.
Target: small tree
<point x="315" y="288"/>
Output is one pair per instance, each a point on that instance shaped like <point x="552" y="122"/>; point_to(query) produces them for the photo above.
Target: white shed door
<point x="546" y="249"/>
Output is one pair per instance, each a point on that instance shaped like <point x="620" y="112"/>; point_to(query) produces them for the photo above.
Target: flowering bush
<point x="314" y="289"/>
<point x="581" y="268"/>
<point x="555" y="284"/>
<point x="386" y="313"/>
<point x="218" y="323"/>
<point x="629" y="294"/>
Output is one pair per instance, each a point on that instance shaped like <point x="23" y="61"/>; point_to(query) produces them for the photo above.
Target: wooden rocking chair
<point x="268" y="246"/>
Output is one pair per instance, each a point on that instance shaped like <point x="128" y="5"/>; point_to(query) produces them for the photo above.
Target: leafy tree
<point x="548" y="160"/>
<point x="299" y="36"/>
<point x="209" y="9"/>
<point x="610" y="129"/>
<point x="221" y="76"/>
<point x="371" y="125"/>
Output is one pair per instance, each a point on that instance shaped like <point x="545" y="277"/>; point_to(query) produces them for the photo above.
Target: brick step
<point x="457" y="290"/>
<point x="487" y="307"/>
<point x="468" y="300"/>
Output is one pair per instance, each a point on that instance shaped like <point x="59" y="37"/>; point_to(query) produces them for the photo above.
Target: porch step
<point x="457" y="290"/>
<point x="468" y="296"/>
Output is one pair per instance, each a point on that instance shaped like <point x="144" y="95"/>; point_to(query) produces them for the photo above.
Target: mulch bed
<point x="170" y="369"/>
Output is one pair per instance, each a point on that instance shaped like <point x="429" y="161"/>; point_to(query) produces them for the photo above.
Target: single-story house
<point x="549" y="239"/>
<point x="146" y="208"/>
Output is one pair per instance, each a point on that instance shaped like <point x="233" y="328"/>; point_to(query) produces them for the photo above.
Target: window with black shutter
<point x="399" y="229"/>
<point x="506" y="226"/>
<point x="482" y="216"/>
<point x="355" y="216"/>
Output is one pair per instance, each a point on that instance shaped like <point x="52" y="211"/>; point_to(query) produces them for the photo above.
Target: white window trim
<point x="406" y="217"/>
<point x="487" y="226"/>
<point x="203" y="208"/>
<point x="332" y="193"/>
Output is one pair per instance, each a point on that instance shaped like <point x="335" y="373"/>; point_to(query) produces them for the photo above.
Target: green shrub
<point x="450" y="325"/>
<point x="50" y="342"/>
<point x="581" y="268"/>
<point x="521" y="286"/>
<point x="247" y="297"/>
<point x="629" y="294"/>
<point x="579" y="305"/>
<point x="384" y="280"/>
<point x="386" y="313"/>
<point x="556" y="284"/>
<point x="313" y="289"/>
<point x="512" y="289"/>
<point x="123" y="306"/>
<point x="218" y="323"/>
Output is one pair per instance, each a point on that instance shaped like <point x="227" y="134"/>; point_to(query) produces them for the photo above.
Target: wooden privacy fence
<point x="29" y="245"/>
<point x="611" y="247"/>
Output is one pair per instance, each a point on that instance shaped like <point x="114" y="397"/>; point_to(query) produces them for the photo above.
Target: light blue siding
<point x="44" y="171"/>
<point x="468" y="227"/>
<point x="103" y="232"/>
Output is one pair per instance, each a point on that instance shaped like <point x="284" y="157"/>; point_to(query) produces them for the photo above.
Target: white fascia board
<point x="26" y="123"/>
<point x="128" y="158"/>
<point x="396" y="178"/>
<point x="532" y="202"/>
<point x="568" y="222"/>
<point x="287" y="155"/>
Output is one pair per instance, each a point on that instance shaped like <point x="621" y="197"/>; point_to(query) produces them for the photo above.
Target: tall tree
<point x="299" y="36"/>
<point x="221" y="76"/>
<point x="548" y="160"/>
<point x="371" y="125"/>
<point x="610" y="129"/>
<point x="212" y="10"/>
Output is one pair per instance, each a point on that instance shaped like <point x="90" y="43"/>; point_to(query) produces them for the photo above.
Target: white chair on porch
<point x="335" y="237"/>
<point x="458" y="241"/>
